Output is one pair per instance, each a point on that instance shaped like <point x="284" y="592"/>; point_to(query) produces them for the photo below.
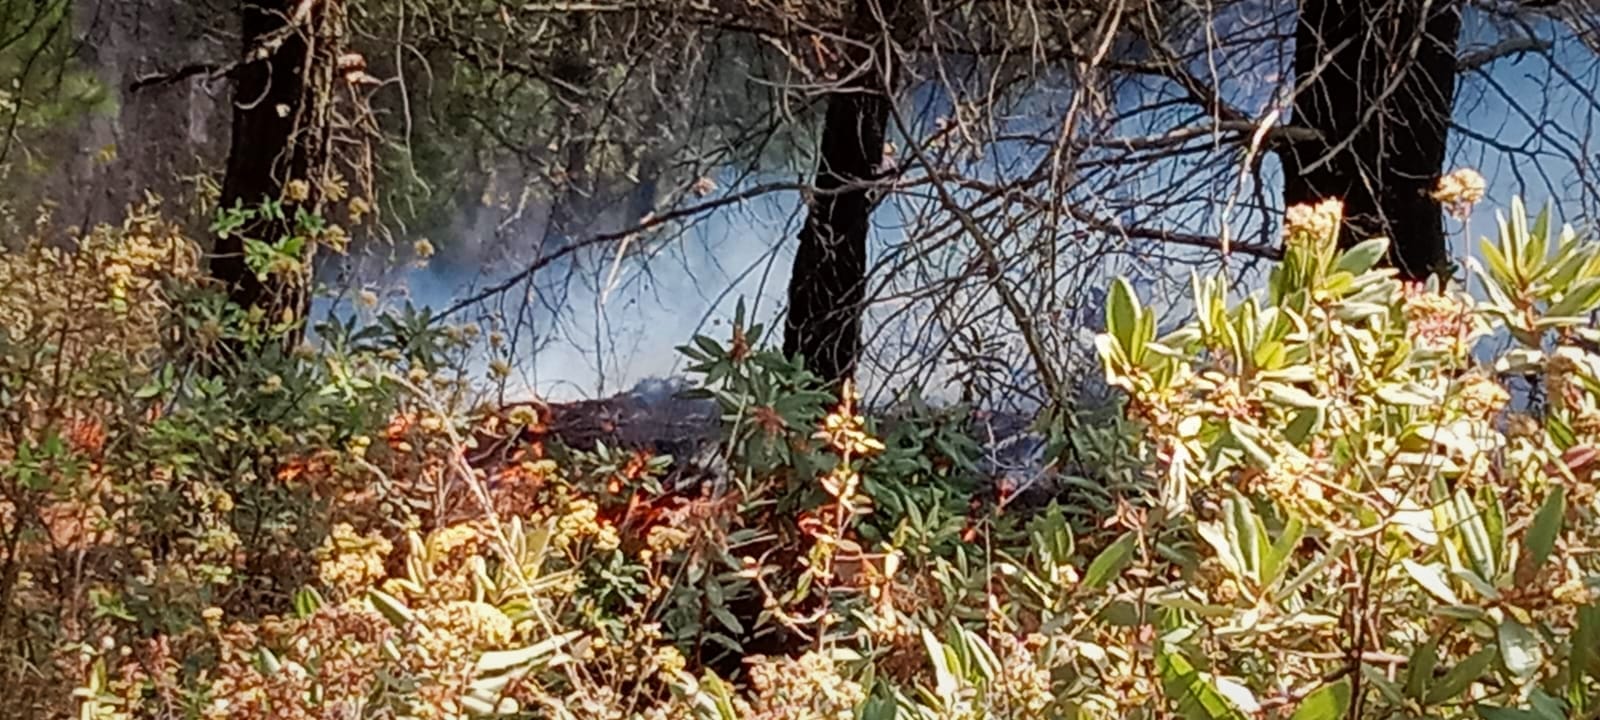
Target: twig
<point x="211" y="71"/>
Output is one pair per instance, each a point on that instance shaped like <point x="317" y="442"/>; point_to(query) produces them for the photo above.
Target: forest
<point x="800" y="359"/>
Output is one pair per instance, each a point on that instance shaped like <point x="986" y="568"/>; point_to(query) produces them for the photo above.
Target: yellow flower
<point x="359" y="207"/>
<point x="1482" y="397"/>
<point x="666" y="538"/>
<point x="367" y="298"/>
<point x="670" y="660"/>
<point x="350" y="562"/>
<point x="297" y="190"/>
<point x="582" y="521"/>
<point x="1314" y="225"/>
<point x="423" y="249"/>
<point x="481" y="625"/>
<point x="456" y="541"/>
<point x="1460" y="190"/>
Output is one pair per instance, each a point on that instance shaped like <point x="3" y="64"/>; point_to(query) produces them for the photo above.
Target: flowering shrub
<point x="1342" y="497"/>
<point x="1354" y="518"/>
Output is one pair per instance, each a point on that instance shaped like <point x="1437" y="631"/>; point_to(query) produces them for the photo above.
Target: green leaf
<point x="1547" y="706"/>
<point x="1329" y="702"/>
<point x="1519" y="649"/>
<point x="1547" y="525"/>
<point x="1419" y="669"/>
<point x="1195" y="698"/>
<point x="1499" y="266"/>
<point x="1277" y="561"/>
<point x="268" y="662"/>
<point x="1110" y="563"/>
<point x="149" y="390"/>
<point x="1475" y="536"/>
<point x="1231" y="557"/>
<point x="1580" y="300"/>
<point x="1122" y="317"/>
<point x="1585" y="644"/>
<point x="1461" y="677"/>
<point x="1494" y="526"/>
<point x="1372" y="676"/>
<point x="1304" y="424"/>
<point x="945" y="678"/>
<point x="727" y="619"/>
<point x="1248" y="536"/>
<point x="1248" y="439"/>
<point x="1363" y="256"/>
<point x="391" y="607"/>
<point x="1489" y="712"/>
<point x="306" y="602"/>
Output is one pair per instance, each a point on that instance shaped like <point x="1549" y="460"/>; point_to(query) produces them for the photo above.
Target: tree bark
<point x="271" y="145"/>
<point x="1377" y="82"/>
<point x="827" y="287"/>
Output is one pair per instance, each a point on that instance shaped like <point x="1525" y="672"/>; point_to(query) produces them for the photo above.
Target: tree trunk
<point x="827" y="287"/>
<point x="1377" y="81"/>
<point x="272" y="144"/>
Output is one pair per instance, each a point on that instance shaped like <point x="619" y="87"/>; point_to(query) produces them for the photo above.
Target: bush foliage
<point x="1341" y="497"/>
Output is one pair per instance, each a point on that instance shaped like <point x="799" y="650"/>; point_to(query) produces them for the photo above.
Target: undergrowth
<point x="1319" y="504"/>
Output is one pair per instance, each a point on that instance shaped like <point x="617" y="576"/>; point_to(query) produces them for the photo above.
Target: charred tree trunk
<point x="1377" y="82"/>
<point x="274" y="142"/>
<point x="827" y="287"/>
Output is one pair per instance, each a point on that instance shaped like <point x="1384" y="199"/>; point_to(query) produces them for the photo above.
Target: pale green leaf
<point x="1290" y="396"/>
<point x="391" y="607"/>
<point x="537" y="653"/>
<point x="1519" y="648"/>
<point x="1433" y="579"/>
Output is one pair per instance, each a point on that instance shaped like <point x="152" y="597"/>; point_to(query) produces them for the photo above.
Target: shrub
<point x="1353" y="514"/>
<point x="1324" y="502"/>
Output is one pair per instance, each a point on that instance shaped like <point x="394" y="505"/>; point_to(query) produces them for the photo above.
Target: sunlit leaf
<point x="1579" y="300"/>
<point x="1363" y="256"/>
<point x="1290" y="396"/>
<point x="499" y="660"/>
<point x="1329" y="702"/>
<point x="1122" y="317"/>
<point x="1433" y="579"/>
<point x="1475" y="536"/>
<point x="1195" y="698"/>
<point x="391" y="607"/>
